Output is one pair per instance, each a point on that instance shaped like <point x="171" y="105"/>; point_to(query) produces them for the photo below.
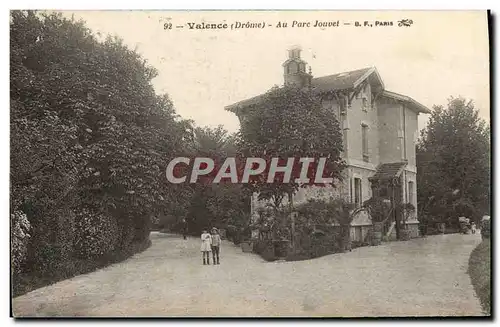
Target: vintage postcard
<point x="250" y="163"/>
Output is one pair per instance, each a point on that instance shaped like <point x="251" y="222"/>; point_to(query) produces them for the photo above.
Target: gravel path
<point x="424" y="277"/>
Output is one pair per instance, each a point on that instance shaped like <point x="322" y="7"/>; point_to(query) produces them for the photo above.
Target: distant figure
<point x="206" y="243"/>
<point x="216" y="241"/>
<point x="184" y="228"/>
<point x="473" y="228"/>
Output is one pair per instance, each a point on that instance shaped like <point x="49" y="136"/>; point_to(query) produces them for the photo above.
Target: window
<point x="411" y="192"/>
<point x="364" y="138"/>
<point x="357" y="191"/>
<point x="350" y="189"/>
<point x="346" y="102"/>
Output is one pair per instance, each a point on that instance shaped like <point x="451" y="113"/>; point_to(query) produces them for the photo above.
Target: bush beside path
<point x="480" y="273"/>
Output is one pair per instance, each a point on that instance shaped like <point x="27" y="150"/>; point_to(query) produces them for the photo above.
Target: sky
<point x="442" y="54"/>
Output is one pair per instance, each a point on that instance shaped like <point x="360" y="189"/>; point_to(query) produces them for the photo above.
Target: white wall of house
<point x="390" y="130"/>
<point x="373" y="133"/>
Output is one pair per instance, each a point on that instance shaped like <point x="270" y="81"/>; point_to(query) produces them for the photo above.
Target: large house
<point x="379" y="136"/>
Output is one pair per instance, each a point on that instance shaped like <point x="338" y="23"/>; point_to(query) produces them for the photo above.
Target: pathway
<point x="424" y="277"/>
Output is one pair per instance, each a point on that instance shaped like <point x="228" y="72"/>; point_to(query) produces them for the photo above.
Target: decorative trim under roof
<point x="367" y="74"/>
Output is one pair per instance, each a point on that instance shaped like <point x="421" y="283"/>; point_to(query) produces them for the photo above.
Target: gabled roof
<point x="335" y="82"/>
<point x="343" y="81"/>
<point x="388" y="171"/>
<point x="244" y="103"/>
<point x="417" y="106"/>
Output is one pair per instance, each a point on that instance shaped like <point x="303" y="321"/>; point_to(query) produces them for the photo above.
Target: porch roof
<point x="388" y="171"/>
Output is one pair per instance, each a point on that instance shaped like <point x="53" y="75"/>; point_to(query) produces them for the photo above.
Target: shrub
<point x="480" y="274"/>
<point x="309" y="245"/>
<point x="20" y="228"/>
<point x="96" y="234"/>
<point x="266" y="249"/>
<point x="26" y="282"/>
<point x="378" y="209"/>
<point x="292" y="256"/>
<point x="260" y="246"/>
<point x="486" y="229"/>
<point x="269" y="253"/>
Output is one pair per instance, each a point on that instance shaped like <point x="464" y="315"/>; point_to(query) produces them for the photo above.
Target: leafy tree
<point x="453" y="161"/>
<point x="90" y="140"/>
<point x="213" y="141"/>
<point x="290" y="122"/>
<point x="206" y="205"/>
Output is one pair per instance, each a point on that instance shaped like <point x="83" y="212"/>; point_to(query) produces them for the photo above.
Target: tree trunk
<point x="292" y="219"/>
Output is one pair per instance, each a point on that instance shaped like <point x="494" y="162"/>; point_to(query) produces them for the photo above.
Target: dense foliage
<point x="323" y="213"/>
<point x="453" y="162"/>
<point x="20" y="237"/>
<point x="208" y="205"/>
<point x="480" y="274"/>
<point x="90" y="140"/>
<point x="290" y="123"/>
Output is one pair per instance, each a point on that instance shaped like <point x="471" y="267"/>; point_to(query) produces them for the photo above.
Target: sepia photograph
<point x="250" y="163"/>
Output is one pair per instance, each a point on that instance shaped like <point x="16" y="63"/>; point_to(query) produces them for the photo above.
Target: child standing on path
<point x="206" y="242"/>
<point x="216" y="241"/>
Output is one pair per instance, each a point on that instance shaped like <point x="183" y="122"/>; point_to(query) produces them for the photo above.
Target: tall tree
<point x="290" y="122"/>
<point x="90" y="138"/>
<point x="453" y="161"/>
<point x="214" y="204"/>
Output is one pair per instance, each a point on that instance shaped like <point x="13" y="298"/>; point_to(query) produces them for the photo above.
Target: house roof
<point x="388" y="171"/>
<point x="338" y="82"/>
<point x="415" y="105"/>
<point x="341" y="81"/>
<point x="244" y="103"/>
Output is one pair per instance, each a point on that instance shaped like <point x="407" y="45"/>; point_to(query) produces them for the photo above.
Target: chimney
<point x="295" y="69"/>
<point x="294" y="53"/>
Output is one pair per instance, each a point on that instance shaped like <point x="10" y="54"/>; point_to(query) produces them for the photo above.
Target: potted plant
<point x="246" y="241"/>
<point x="343" y="213"/>
<point x="379" y="210"/>
<point x="407" y="210"/>
<point x="247" y="245"/>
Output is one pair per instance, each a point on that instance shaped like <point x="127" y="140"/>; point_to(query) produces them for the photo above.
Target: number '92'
<point x="167" y="26"/>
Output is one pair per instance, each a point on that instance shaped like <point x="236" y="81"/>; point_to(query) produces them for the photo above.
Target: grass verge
<point x="480" y="274"/>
